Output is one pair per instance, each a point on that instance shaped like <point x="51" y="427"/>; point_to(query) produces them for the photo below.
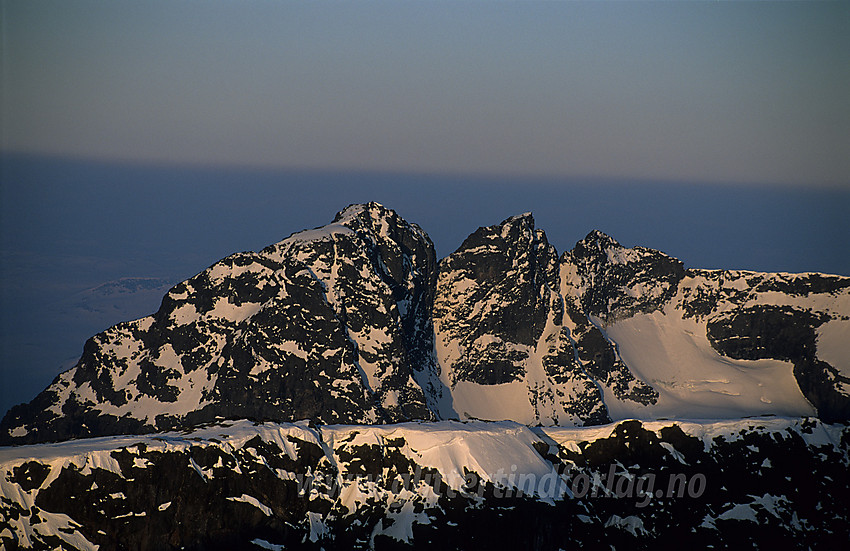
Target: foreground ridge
<point x="246" y="485"/>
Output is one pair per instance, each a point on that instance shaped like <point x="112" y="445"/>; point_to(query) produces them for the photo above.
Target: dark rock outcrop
<point x="754" y="483"/>
<point x="618" y="282"/>
<point x="784" y="333"/>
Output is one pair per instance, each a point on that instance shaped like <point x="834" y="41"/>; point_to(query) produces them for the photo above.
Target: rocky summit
<point x="357" y="322"/>
<point x="331" y="324"/>
<point x="345" y="389"/>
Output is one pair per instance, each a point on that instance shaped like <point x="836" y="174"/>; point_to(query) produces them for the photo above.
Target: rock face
<point x="785" y="333"/>
<point x="331" y="324"/>
<point x="598" y="280"/>
<point x="357" y="322"/>
<point x="615" y="282"/>
<point x="753" y="483"/>
<point x="503" y="332"/>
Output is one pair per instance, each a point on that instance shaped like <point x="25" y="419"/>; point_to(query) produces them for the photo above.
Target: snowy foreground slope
<point x="753" y="483"/>
<point x="357" y="322"/>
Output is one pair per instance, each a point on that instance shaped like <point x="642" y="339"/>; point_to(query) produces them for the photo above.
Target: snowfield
<point x="674" y="356"/>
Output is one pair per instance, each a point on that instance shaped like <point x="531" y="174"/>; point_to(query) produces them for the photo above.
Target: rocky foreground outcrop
<point x="753" y="483"/>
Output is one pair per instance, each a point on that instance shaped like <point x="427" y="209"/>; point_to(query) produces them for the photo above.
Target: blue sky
<point x="150" y="139"/>
<point x="742" y="92"/>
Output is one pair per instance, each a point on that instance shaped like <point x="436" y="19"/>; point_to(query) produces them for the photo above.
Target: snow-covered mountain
<point x="344" y="389"/>
<point x="503" y="332"/>
<point x="357" y="322"/>
<point x="717" y="343"/>
<point x="330" y="324"/>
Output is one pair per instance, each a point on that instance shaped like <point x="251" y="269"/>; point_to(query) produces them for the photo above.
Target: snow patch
<point x="693" y="380"/>
<point x="631" y="523"/>
<point x="833" y="345"/>
<point x="507" y="401"/>
<point x="245" y="498"/>
<point x="263" y="544"/>
<point x="323" y="233"/>
<point x="740" y="511"/>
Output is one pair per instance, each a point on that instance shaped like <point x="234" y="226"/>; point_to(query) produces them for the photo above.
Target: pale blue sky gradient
<point x="742" y="92"/>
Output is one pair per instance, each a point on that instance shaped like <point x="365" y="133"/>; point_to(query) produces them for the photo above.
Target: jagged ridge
<point x="758" y="483"/>
<point x="356" y="322"/>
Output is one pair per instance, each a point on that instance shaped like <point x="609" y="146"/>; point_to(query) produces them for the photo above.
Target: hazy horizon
<point x="734" y="92"/>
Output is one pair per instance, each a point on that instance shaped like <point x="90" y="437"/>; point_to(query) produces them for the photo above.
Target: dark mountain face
<point x="502" y="319"/>
<point x="512" y="272"/>
<point x="785" y="333"/>
<point x="610" y="273"/>
<point x="331" y="324"/>
<point x="357" y="322"/>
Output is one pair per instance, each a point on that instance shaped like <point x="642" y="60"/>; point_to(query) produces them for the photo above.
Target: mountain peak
<point x="371" y="209"/>
<point x="620" y="281"/>
<point x="357" y="322"/>
<point x="524" y="217"/>
<point x="382" y="221"/>
<point x="599" y="241"/>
